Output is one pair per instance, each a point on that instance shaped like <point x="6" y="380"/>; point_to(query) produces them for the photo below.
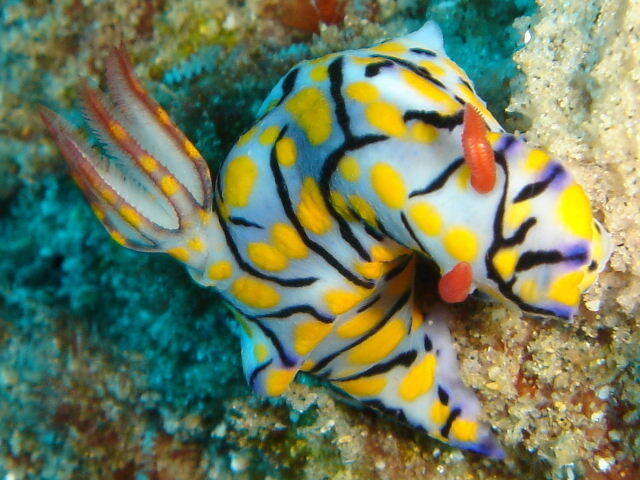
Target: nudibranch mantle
<point x="363" y="166"/>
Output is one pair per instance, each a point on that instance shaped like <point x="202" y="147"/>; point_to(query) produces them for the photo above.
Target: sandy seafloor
<point x="114" y="365"/>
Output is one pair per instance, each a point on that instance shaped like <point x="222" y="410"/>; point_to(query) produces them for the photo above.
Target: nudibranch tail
<point x="153" y="190"/>
<point x="478" y="154"/>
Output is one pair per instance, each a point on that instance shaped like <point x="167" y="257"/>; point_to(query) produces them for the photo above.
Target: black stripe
<point x="423" y="51"/>
<point x="408" y="228"/>
<point x="283" y="194"/>
<point x="520" y="234"/>
<point x="435" y="119"/>
<point x="398" y="269"/>
<point x="443" y="396"/>
<point x="288" y="282"/>
<point x="284" y="358"/>
<point x="465" y="83"/>
<point x="420" y="71"/>
<point x="440" y="180"/>
<point x="290" y="311"/>
<point x="373" y="69"/>
<point x="243" y="222"/>
<point x="428" y="344"/>
<point x="534" y="189"/>
<point x="335" y="78"/>
<point x="256" y="372"/>
<point x="287" y="85"/>
<point x="455" y="413"/>
<point x="372" y="232"/>
<point x="369" y="303"/>
<point x="405" y="359"/>
<point x="392" y="311"/>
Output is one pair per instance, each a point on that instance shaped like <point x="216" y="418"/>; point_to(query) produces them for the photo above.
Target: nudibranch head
<point x="547" y="248"/>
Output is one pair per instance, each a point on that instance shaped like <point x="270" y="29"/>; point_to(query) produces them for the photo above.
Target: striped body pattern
<point x="366" y="169"/>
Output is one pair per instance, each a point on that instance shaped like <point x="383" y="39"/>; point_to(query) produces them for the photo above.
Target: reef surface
<point x="113" y="364"/>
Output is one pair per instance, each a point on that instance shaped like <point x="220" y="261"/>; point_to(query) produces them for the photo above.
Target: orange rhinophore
<point x="455" y="285"/>
<point x="478" y="153"/>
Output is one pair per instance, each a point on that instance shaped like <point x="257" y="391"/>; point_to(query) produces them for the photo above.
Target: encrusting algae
<point x="563" y="397"/>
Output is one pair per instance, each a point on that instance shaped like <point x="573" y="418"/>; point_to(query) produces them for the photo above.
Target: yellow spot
<point x="417" y="319"/>
<point x="505" y="262"/>
<point x="361" y="323"/>
<point x="464" y="177"/>
<point x="382" y="253"/>
<point x="131" y="216"/>
<point x="267" y="257"/>
<point x="311" y="109"/>
<point x="286" y="239"/>
<point x="364" y="92"/>
<point x="363" y="209"/>
<point x="364" y="386"/>
<point x="269" y="135"/>
<point x="379" y="345"/>
<point x="239" y="182"/>
<point x="421" y="132"/>
<point x="434" y="93"/>
<point x="98" y="212"/>
<point x="248" y="135"/>
<point x="340" y="206"/>
<point x="349" y="168"/>
<point x="260" y="352"/>
<point x="197" y="244"/>
<point x="192" y="151"/>
<point x="117" y="131"/>
<point x="319" y="73"/>
<point x="220" y="270"/>
<point x="312" y="211"/>
<point x="205" y="217"/>
<point x="278" y="380"/>
<point x="494" y="137"/>
<point x="286" y="151"/>
<point x="307" y="335"/>
<point x="387" y="118"/>
<point x="169" y="185"/>
<point x="566" y="289"/>
<point x="179" y="253"/>
<point x="108" y="195"/>
<point x="426" y="217"/>
<point x="118" y="237"/>
<point x="365" y="60"/>
<point x="371" y="270"/>
<point x="464" y="430"/>
<point x="163" y="116"/>
<point x="390" y="47"/>
<point x="433" y="68"/>
<point x="536" y="161"/>
<point x="439" y="412"/>
<point x="255" y="293"/>
<point x="529" y="291"/>
<point x="340" y="301"/>
<point x="148" y="163"/>
<point x="517" y="213"/>
<point x="419" y="379"/>
<point x="574" y="211"/>
<point x="389" y="185"/>
<point x="307" y="365"/>
<point x="462" y="244"/>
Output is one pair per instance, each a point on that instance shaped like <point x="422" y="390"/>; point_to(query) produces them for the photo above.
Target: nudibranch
<point x="363" y="166"/>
